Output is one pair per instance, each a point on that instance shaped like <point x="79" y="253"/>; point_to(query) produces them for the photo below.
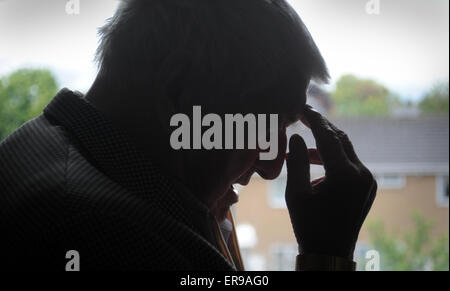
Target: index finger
<point x="328" y="144"/>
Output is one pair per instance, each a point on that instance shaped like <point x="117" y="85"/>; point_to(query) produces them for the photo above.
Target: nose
<point x="270" y="170"/>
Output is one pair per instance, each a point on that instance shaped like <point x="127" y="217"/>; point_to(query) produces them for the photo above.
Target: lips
<point x="220" y="210"/>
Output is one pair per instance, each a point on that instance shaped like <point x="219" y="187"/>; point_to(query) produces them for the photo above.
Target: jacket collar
<point x="112" y="152"/>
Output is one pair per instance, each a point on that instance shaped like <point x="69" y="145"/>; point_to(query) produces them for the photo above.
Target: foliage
<point x="436" y="100"/>
<point x="355" y="97"/>
<point x="417" y="250"/>
<point x="23" y="95"/>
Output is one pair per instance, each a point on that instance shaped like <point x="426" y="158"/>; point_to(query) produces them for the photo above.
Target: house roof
<point x="418" y="145"/>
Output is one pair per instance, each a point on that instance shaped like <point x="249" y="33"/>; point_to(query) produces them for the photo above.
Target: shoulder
<point x="33" y="158"/>
<point x="126" y="232"/>
<point x="53" y="200"/>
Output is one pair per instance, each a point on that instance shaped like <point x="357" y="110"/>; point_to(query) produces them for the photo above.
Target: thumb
<point x="298" y="167"/>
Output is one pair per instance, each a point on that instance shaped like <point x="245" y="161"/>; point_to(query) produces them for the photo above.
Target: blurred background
<point x="389" y="62"/>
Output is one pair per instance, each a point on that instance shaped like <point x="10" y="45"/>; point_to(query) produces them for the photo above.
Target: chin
<point x="223" y="205"/>
<point x="222" y="214"/>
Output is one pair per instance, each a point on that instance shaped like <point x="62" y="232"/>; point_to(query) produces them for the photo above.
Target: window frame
<point x="276" y="249"/>
<point x="383" y="184"/>
<point x="441" y="184"/>
<point x="274" y="199"/>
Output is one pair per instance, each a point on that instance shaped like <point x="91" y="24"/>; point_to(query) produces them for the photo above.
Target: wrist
<point x="344" y="253"/>
<point x="312" y="262"/>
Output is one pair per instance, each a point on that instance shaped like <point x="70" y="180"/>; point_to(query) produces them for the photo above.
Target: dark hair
<point x="187" y="49"/>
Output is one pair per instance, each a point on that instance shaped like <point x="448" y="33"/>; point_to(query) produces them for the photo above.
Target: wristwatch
<point x="311" y="262"/>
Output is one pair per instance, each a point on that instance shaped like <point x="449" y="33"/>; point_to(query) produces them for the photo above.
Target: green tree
<point x="436" y="100"/>
<point x="355" y="97"/>
<point x="23" y="95"/>
<point x="415" y="251"/>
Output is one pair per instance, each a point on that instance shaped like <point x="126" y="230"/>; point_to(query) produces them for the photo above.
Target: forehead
<point x="288" y="101"/>
<point x="294" y="99"/>
<point x="286" y="97"/>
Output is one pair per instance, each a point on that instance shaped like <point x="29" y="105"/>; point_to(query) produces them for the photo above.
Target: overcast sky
<point x="405" y="46"/>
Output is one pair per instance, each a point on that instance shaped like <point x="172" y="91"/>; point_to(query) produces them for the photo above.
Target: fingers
<point x="346" y="143"/>
<point x="314" y="157"/>
<point x="298" y="176"/>
<point x="317" y="181"/>
<point x="328" y="142"/>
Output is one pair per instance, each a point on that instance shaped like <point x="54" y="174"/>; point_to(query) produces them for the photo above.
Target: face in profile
<point x="246" y="164"/>
<point x="243" y="164"/>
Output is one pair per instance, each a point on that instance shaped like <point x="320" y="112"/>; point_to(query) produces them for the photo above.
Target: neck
<point x="137" y="117"/>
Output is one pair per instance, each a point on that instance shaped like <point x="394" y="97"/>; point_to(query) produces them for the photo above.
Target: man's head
<point x="162" y="57"/>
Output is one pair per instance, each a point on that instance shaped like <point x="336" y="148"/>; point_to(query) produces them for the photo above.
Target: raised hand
<point x="327" y="214"/>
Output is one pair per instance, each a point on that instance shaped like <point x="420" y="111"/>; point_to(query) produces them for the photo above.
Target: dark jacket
<point x="71" y="180"/>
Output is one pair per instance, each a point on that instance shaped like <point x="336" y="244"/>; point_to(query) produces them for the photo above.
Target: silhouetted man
<point x="97" y="173"/>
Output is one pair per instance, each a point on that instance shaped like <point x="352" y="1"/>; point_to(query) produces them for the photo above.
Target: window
<point x="283" y="257"/>
<point x="391" y="181"/>
<point x="277" y="189"/>
<point x="361" y="250"/>
<point x="442" y="191"/>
